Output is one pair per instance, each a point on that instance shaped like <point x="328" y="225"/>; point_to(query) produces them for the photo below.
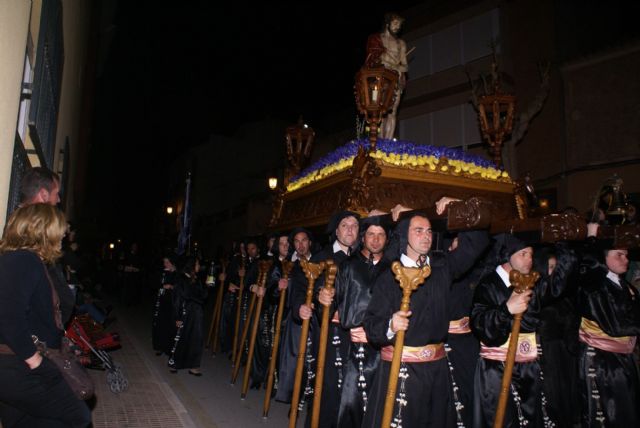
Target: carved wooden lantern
<point x="496" y="112"/>
<point x="299" y="144"/>
<point x="375" y="90"/>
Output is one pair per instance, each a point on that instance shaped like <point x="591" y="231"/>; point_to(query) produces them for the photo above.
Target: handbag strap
<point x="57" y="314"/>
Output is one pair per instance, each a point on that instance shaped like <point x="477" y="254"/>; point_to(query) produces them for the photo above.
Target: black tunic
<point x="428" y="387"/>
<point x="464" y="347"/>
<point x="188" y="304"/>
<point x="491" y="322"/>
<point x="337" y="343"/>
<point x="250" y="278"/>
<point x="354" y="287"/>
<point x="229" y="302"/>
<point x="266" y="326"/>
<point x="289" y="341"/>
<point x="163" y="328"/>
<point x="616" y="309"/>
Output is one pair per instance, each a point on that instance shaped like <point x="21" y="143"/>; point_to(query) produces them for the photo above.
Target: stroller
<point x="92" y="343"/>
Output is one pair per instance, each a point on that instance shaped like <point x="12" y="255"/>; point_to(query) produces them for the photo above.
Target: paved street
<point x="157" y="398"/>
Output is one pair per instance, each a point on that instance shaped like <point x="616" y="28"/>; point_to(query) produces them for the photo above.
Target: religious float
<point x="369" y="174"/>
<point x="377" y="174"/>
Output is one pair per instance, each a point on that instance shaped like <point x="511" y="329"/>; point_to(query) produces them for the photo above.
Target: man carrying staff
<point x="343" y="229"/>
<point x="354" y="285"/>
<point x="495" y="305"/>
<point x="279" y="251"/>
<point x="424" y="391"/>
<point x="301" y="240"/>
<point x="250" y="272"/>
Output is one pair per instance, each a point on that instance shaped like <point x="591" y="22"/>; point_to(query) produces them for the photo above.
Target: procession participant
<point x="271" y="292"/>
<point x="250" y="279"/>
<point x="163" y="328"/>
<point x="558" y="331"/>
<point x="494" y="307"/>
<point x="343" y="230"/>
<point x="188" y="305"/>
<point x="301" y="240"/>
<point x="462" y="346"/>
<point x="229" y="301"/>
<point x="354" y="285"/>
<point x="609" y="308"/>
<point x="425" y="390"/>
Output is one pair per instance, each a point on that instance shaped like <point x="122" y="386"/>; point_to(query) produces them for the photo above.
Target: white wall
<point x="14" y="28"/>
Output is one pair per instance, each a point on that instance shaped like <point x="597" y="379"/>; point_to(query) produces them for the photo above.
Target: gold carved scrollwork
<point x="473" y="213"/>
<point x="562" y="227"/>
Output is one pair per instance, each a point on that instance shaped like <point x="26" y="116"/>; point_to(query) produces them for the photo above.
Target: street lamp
<point x="273" y="183"/>
<point x="375" y="89"/>
<point x="169" y="210"/>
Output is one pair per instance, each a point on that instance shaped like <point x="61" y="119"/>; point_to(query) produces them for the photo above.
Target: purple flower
<point x="388" y="147"/>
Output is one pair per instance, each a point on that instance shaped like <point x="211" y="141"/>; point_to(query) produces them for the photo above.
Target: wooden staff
<point x="243" y="337"/>
<point x="286" y="269"/>
<point x="330" y="274"/>
<point x="311" y="271"/>
<point x="263" y="269"/>
<point x="521" y="283"/>
<point x="409" y="279"/>
<point x="217" y="312"/>
<point x="236" y="326"/>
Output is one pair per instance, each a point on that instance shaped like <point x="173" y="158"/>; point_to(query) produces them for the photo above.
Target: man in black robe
<point x="492" y="314"/>
<point x="424" y="389"/>
<point x="250" y="279"/>
<point x="610" y="325"/>
<point x="462" y="346"/>
<point x="343" y="229"/>
<point x="354" y="286"/>
<point x="271" y="294"/>
<point x="301" y="240"/>
<point x="229" y="301"/>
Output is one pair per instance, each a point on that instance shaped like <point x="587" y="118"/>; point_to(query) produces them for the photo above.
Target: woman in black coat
<point x="33" y="391"/>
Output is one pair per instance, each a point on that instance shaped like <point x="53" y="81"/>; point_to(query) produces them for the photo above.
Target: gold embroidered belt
<point x="460" y="326"/>
<point x="526" y="351"/>
<point x="416" y="354"/>
<point x="591" y="334"/>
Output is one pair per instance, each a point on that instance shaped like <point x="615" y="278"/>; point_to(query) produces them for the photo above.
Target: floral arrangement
<point x="401" y="153"/>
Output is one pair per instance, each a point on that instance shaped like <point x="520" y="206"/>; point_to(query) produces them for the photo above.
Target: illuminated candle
<point x="374" y="94"/>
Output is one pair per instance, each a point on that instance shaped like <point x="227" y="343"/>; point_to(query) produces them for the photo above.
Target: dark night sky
<point x="175" y="74"/>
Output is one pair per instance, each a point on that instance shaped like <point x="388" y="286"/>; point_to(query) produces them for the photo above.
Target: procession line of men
<point x="457" y="331"/>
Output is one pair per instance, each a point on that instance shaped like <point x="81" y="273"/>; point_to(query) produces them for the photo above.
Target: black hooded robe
<point x="428" y="385"/>
<point x="491" y="322"/>
<point x="616" y="310"/>
<point x="337" y="344"/>
<point x="163" y="328"/>
<point x="354" y="287"/>
<point x="189" y="297"/>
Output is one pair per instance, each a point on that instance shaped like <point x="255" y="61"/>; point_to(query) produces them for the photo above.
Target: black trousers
<point x="38" y="398"/>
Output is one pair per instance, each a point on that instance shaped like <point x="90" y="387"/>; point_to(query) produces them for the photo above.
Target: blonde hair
<point x="38" y="228"/>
